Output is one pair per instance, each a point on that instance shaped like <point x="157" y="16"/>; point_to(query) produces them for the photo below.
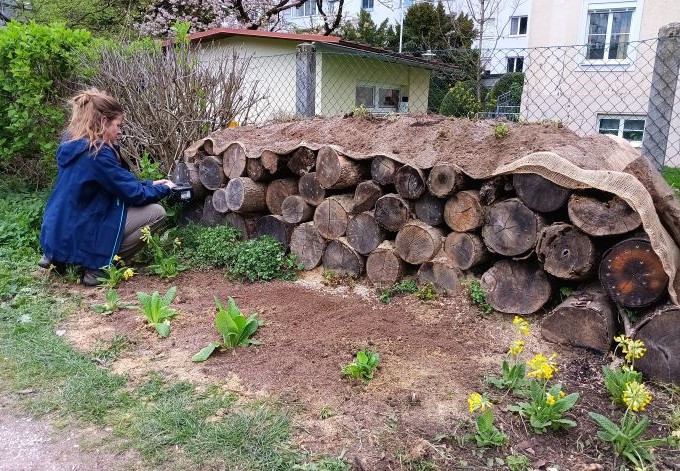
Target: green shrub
<point x="460" y="102"/>
<point x="510" y="82"/>
<point x="199" y="245"/>
<point x="261" y="259"/>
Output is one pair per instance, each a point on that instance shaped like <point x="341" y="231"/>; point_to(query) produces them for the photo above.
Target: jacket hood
<point x="70" y="150"/>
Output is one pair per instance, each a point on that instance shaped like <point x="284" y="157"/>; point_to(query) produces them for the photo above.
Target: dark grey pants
<point x="152" y="215"/>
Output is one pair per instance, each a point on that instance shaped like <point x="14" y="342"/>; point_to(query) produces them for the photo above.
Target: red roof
<point x="218" y="33"/>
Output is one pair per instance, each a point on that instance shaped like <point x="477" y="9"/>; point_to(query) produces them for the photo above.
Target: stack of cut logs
<point x="529" y="239"/>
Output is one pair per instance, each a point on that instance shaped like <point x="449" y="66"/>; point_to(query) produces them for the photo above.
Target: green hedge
<point x="460" y="101"/>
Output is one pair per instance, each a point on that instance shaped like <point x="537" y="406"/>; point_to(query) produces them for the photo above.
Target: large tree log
<point x="566" y="252"/>
<point x="246" y="196"/>
<point x="244" y="223"/>
<point x="383" y="266"/>
<point x="410" y="182"/>
<point x="210" y="172"/>
<point x="186" y="173"/>
<point x="337" y="171"/>
<point x="296" y="210"/>
<point x="307" y="245"/>
<point x="418" y="242"/>
<point x="660" y="331"/>
<point x="445" y="179"/>
<point x="234" y="160"/>
<point x="310" y="189"/>
<point x="256" y="171"/>
<point x="332" y="215"/>
<point x="465" y="249"/>
<point x="275" y="227"/>
<point x="279" y="190"/>
<point x="274" y="163"/>
<point x="511" y="228"/>
<point x="210" y="217"/>
<point x="538" y="193"/>
<point x="632" y="274"/>
<point x="494" y="189"/>
<point x="603" y="215"/>
<point x="340" y="257"/>
<point x="365" y="196"/>
<point x="463" y="211"/>
<point x="302" y="161"/>
<point x="585" y="319"/>
<point x="364" y="233"/>
<point x="430" y="209"/>
<point x="516" y="287"/>
<point x="443" y="275"/>
<point x="384" y="169"/>
<point x="219" y="200"/>
<point x="392" y="212"/>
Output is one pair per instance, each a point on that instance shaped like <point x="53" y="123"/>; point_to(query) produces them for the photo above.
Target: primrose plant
<point x="157" y="309"/>
<point x="363" y="367"/>
<point x="235" y="328"/>
<point x="113" y="303"/>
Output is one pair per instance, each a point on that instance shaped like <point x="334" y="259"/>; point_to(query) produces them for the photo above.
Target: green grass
<point x="672" y="177"/>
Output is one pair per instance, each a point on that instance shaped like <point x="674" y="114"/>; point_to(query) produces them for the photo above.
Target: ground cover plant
<point x="157" y="310"/>
<point x="112" y="303"/>
<point x="364" y="365"/>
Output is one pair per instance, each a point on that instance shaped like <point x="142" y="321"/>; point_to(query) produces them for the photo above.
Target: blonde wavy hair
<point x="89" y="108"/>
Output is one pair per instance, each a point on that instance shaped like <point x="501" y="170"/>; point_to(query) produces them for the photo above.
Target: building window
<point x="609" y="34"/>
<point x="388" y="98"/>
<point x="367" y="4"/>
<point x="631" y="128"/>
<point x="518" y="25"/>
<point x="489" y="28"/>
<point x="515" y="64"/>
<point x="306" y="9"/>
<point x="365" y="96"/>
<point x="378" y="98"/>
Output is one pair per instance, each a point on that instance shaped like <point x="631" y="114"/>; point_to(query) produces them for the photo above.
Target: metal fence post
<point x="305" y="80"/>
<point x="662" y="94"/>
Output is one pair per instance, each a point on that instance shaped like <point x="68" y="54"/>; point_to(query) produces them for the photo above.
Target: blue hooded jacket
<point x="85" y="214"/>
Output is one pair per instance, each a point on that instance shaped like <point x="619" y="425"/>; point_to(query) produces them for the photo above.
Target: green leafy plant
<point x="157" y="309"/>
<point x="426" y="292"/>
<point x="362" y="112"/>
<point x="112" y="304"/>
<point x="406" y="286"/>
<point x="235" y="328"/>
<point x="148" y="169"/>
<point x="363" y="367"/>
<point x="518" y="463"/>
<point x="513" y="371"/>
<point x="487" y="434"/>
<point x="500" y="130"/>
<point x="164" y="252"/>
<point x="460" y="102"/>
<point x="112" y="275"/>
<point x="199" y="242"/>
<point x="334" y="278"/>
<point x="261" y="259"/>
<point x="477" y="295"/>
<point x="546" y="408"/>
<point x="615" y="380"/>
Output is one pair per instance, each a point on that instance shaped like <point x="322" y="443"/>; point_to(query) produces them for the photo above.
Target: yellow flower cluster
<point x="516" y="347"/>
<point x="128" y="273"/>
<point x="636" y="396"/>
<point x="146" y="234"/>
<point x="542" y="367"/>
<point x="478" y="402"/>
<point x="550" y="399"/>
<point x="521" y="326"/>
<point x="634" y="349"/>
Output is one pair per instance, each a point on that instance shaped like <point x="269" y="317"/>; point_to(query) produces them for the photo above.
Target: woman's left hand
<point x="166" y="182"/>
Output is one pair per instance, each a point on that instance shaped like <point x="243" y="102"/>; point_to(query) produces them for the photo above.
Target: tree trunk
<point x="603" y="215"/>
<point x="275" y="227"/>
<point x="336" y="171"/>
<point x="302" y="161"/>
<point x="410" y="182"/>
<point x="445" y="179"/>
<point x="210" y="173"/>
<point x="256" y="171"/>
<point x="219" y="200"/>
<point x="186" y="173"/>
<point x="660" y="331"/>
<point x="492" y="190"/>
<point x="383" y="266"/>
<point x="234" y="160"/>
<point x="210" y="217"/>
<point x="392" y="212"/>
<point x="307" y="245"/>
<point x="511" y="229"/>
<point x="443" y="275"/>
<point x="384" y="169"/>
<point x="430" y="209"/>
<point x="538" y="193"/>
<point x="463" y="211"/>
<point x="274" y="163"/>
<point x="516" y="287"/>
<point x="340" y="257"/>
<point x="246" y="196"/>
<point x="244" y="223"/>
<point x="310" y="189"/>
<point x="566" y="252"/>
<point x="632" y="274"/>
<point x="364" y="233"/>
<point x="279" y="190"/>
<point x="365" y="196"/>
<point x="465" y="249"/>
<point x="296" y="210"/>
<point x="331" y="216"/>
<point x="585" y="319"/>
<point x="418" y="242"/>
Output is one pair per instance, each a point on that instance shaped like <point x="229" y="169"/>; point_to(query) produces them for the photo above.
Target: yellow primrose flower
<point x="549" y="399"/>
<point x="516" y="347"/>
<point x="116" y="258"/>
<point x="634" y="349"/>
<point x="521" y="326"/>
<point x="542" y="367"/>
<point x="146" y="234"/>
<point x="478" y="402"/>
<point x="561" y="395"/>
<point x="636" y="396"/>
<point x="128" y="273"/>
<point x="177" y="242"/>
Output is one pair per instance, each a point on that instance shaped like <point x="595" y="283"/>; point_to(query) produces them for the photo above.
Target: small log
<point x="465" y="249"/>
<point x="511" y="228"/>
<point x="302" y="161"/>
<point x="340" y="257"/>
<point x="418" y="242"/>
<point x="383" y="266"/>
<point x="516" y="287"/>
<point x="463" y="211"/>
<point x="244" y="223"/>
<point x="210" y="172"/>
<point x="365" y="196"/>
<point x="332" y="215"/>
<point x="336" y="171"/>
<point x="392" y="212"/>
<point x="296" y="210"/>
<point x="256" y="171"/>
<point x="208" y="147"/>
<point x="445" y="179"/>
<point x="364" y="233"/>
<point x="210" y="217"/>
<point x="275" y="227"/>
<point x="632" y="274"/>
<point x="538" y="193"/>
<point x="384" y="169"/>
<point x="310" y="189"/>
<point x="443" y="275"/>
<point x="273" y="162"/>
<point x="246" y="196"/>
<point x="234" y="160"/>
<point x="585" y="319"/>
<point x="307" y="245"/>
<point x="219" y="200"/>
<point x="493" y="189"/>
<point x="566" y="252"/>
<point x="660" y="331"/>
<point x="603" y="215"/>
<point x="279" y="190"/>
<point x="186" y="173"/>
<point x="410" y="182"/>
<point x="430" y="209"/>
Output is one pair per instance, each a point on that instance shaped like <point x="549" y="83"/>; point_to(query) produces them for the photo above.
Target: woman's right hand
<point x="166" y="182"/>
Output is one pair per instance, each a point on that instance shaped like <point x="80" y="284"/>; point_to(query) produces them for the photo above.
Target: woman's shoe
<point x="47" y="263"/>
<point x="91" y="277"/>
